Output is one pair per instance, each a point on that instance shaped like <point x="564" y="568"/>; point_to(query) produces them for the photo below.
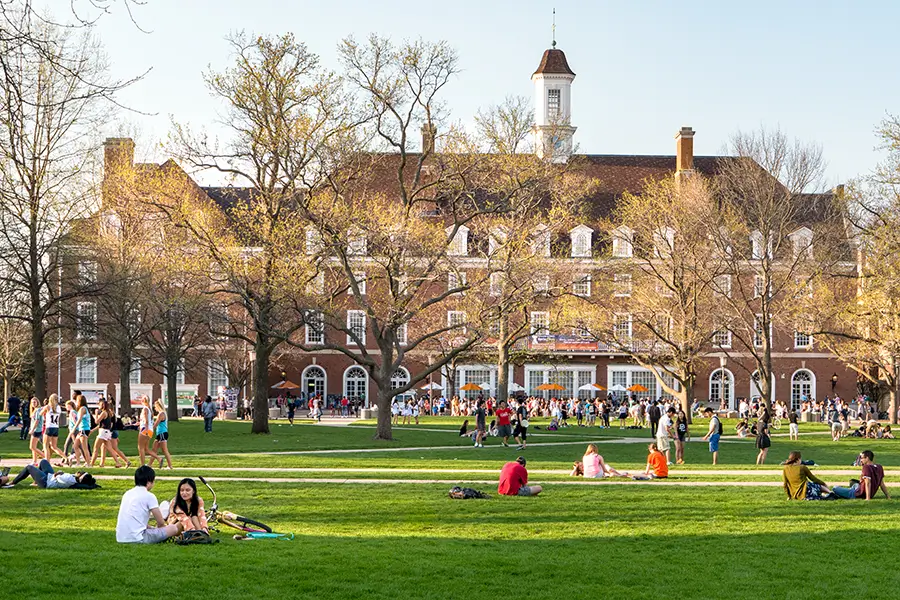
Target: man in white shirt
<point x="138" y="504"/>
<point x="664" y="433"/>
<point x="45" y="477"/>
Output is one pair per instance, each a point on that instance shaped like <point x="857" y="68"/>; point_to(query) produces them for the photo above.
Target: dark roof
<point x="228" y="197"/>
<point x="554" y="62"/>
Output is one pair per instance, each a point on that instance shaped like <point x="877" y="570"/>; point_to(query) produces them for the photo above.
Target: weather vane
<point x="554" y="27"/>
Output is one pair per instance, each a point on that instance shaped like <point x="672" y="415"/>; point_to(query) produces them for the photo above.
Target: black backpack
<point x="721" y="428"/>
<point x="195" y="536"/>
<point x="461" y="493"/>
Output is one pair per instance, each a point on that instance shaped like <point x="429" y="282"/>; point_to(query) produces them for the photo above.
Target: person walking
<point x="51" y="415"/>
<point x="162" y="434"/>
<point x="480" y="424"/>
<point x="681" y="432"/>
<point x="145" y="432"/>
<point x="763" y="441"/>
<point x="664" y="432"/>
<point x="209" y="413"/>
<point x="504" y="422"/>
<point x="521" y="430"/>
<point x="654" y="415"/>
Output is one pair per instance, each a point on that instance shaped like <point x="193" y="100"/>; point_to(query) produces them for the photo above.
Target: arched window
<point x="803" y="387"/>
<point x="400" y="378"/>
<point x="313" y="381"/>
<point x="356" y="384"/>
<point x="721" y="386"/>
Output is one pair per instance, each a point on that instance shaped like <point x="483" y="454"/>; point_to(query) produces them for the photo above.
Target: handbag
<point x="524" y="422"/>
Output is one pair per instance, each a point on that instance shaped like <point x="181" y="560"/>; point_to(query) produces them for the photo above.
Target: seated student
<point x="871" y="480"/>
<point x="45" y="477"/>
<point x="514" y="480"/>
<point x="799" y="482"/>
<point x="554" y="424"/>
<point x="464" y="430"/>
<point x="593" y="466"/>
<point x="886" y="433"/>
<point x="187" y="507"/>
<point x="742" y="428"/>
<point x="138" y="504"/>
<point x="657" y="467"/>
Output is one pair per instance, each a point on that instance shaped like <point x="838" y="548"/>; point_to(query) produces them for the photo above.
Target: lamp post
<point x="722" y="362"/>
<point x="834" y="380"/>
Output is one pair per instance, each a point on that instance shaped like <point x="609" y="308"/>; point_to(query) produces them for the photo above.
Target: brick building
<point x="800" y="368"/>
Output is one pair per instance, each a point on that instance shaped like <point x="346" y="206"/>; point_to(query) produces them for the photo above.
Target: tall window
<point x="720" y="386"/>
<point x="315" y="327"/>
<point x="802" y="339"/>
<point x="179" y="376"/>
<point x="581" y="242"/>
<point x="134" y="377"/>
<point x="802" y="384"/>
<point x="582" y="286"/>
<point x="313" y="240"/>
<point x="360" y="279"/>
<point x="622" y="285"/>
<point x="758" y="333"/>
<point x="86" y="326"/>
<point x="356" y="323"/>
<point x="356" y="383"/>
<point x="722" y="338"/>
<point x="87" y="273"/>
<point x="216" y="375"/>
<point x="496" y="286"/>
<point x="723" y="285"/>
<point x="86" y="370"/>
<point x="552" y="103"/>
<point x="540" y="323"/>
<point x="622" y="242"/>
<point x="456" y="279"/>
<point x="622" y="327"/>
<point x="402" y="337"/>
<point x="541" y="284"/>
<point x="759" y="286"/>
<point x="356" y="242"/>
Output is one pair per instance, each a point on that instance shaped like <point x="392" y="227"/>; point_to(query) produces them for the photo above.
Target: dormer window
<point x="756" y="246"/>
<point x="459" y="245"/>
<point x="496" y="240"/>
<point x="581" y="241"/>
<point x="553" y="103"/>
<point x="356" y="242"/>
<point x="663" y="242"/>
<point x="540" y="243"/>
<point x="801" y="243"/>
<point x="623" y="242"/>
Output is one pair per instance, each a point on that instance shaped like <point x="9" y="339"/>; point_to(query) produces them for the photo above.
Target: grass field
<point x="409" y="540"/>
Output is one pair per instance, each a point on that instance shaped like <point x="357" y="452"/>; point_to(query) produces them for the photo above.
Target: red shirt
<point x="503" y="416"/>
<point x="512" y="477"/>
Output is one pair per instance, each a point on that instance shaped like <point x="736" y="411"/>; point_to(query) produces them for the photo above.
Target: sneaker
<point x="505" y="445"/>
<point x="476" y="444"/>
<point x="520" y="447"/>
<point x="4" y="471"/>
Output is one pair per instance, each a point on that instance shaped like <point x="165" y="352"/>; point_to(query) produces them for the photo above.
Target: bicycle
<point x="776" y="422"/>
<point x="216" y="517"/>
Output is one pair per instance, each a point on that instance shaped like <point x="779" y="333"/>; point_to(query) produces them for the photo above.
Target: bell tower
<point x="553" y="129"/>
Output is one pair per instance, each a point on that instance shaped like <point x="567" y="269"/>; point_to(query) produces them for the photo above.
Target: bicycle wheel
<point x="776" y="423"/>
<point x="245" y="524"/>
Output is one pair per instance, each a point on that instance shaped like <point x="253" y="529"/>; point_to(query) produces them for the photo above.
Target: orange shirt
<point x="657" y="462"/>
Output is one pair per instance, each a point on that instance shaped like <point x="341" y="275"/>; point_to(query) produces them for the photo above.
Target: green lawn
<point x="411" y="541"/>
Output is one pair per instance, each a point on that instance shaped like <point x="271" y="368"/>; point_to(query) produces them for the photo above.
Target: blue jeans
<point x="207" y="424"/>
<point x="847" y="493"/>
<point x="39" y="473"/>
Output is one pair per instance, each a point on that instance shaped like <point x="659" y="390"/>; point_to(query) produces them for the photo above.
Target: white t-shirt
<point x="134" y="512"/>
<point x="664" y="423"/>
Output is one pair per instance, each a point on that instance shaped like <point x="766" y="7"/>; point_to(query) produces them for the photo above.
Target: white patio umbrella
<point x="515" y="387"/>
<point x="618" y="388"/>
<point x="431" y="386"/>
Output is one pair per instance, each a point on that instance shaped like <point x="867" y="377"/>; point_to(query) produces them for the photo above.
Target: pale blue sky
<point x="826" y="72"/>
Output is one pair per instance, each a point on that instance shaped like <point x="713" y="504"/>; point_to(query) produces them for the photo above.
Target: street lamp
<point x="834" y="379"/>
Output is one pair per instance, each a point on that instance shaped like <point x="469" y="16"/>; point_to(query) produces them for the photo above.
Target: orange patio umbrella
<point x="472" y="387"/>
<point x="638" y="388"/>
<point x="551" y="387"/>
<point x="287" y="384"/>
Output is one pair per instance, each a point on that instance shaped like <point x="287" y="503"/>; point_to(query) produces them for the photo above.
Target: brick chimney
<point x="118" y="165"/>
<point x="429" y="132"/>
<point x="684" y="150"/>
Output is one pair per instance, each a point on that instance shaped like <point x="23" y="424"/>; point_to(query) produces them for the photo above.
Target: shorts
<point x="520" y="431"/>
<point x="794" y="428"/>
<point x="681" y="436"/>
<point x="714" y="442"/>
<point x="662" y="443"/>
<point x="37" y="435"/>
<point x="504" y="430"/>
<point x="834" y="426"/>
<point x="525" y="490"/>
<point x="105" y="434"/>
<point x="162" y="437"/>
<point x="52" y="432"/>
<point x="84" y="432"/>
<point x="158" y="534"/>
<point x="115" y="435"/>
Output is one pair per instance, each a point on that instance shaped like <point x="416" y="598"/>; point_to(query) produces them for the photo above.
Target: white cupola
<point x="553" y="129"/>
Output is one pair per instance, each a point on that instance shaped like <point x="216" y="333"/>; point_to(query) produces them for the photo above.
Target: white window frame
<point x="402" y="334"/>
<point x="357" y="244"/>
<point x="540" y="322"/>
<point x="581" y="241"/>
<point x="663" y="242"/>
<point x="554" y="102"/>
<point x="723" y="285"/>
<point x="622" y="242"/>
<point x="360" y="277"/>
<point x="799" y="337"/>
<point x="87" y="273"/>
<point x="316" y="285"/>
<point x="622" y="285"/>
<point x="83" y="315"/>
<point x="313" y="241"/>
<point x="134" y="376"/>
<point x="801" y="242"/>
<point x="758" y="332"/>
<point x="759" y="286"/>
<point x="213" y="382"/>
<point x="459" y="244"/>
<point x="541" y="283"/>
<point x="722" y="342"/>
<point x="315" y="327"/>
<point x="86" y="364"/>
<point x="618" y="323"/>
<point x="360" y="314"/>
<point x="456" y="318"/>
<point x="585" y="282"/>
<point x="456" y="279"/>
<point x="495" y="287"/>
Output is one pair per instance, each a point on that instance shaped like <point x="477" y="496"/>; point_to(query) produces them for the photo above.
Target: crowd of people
<point x="41" y="422"/>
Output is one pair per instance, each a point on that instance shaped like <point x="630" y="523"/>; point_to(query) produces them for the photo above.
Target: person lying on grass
<point x="514" y="480"/>
<point x="137" y="506"/>
<point x="657" y="466"/>
<point x="799" y="482"/>
<point x="871" y="480"/>
<point x="592" y="465"/>
<point x="46" y="478"/>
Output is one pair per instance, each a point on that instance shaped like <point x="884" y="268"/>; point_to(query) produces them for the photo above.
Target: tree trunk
<point x="502" y="391"/>
<point x="172" y="388"/>
<point x="261" y="386"/>
<point x="37" y="357"/>
<point x="124" y="384"/>
<point x="385" y="395"/>
<point x="685" y="396"/>
<point x="892" y="404"/>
